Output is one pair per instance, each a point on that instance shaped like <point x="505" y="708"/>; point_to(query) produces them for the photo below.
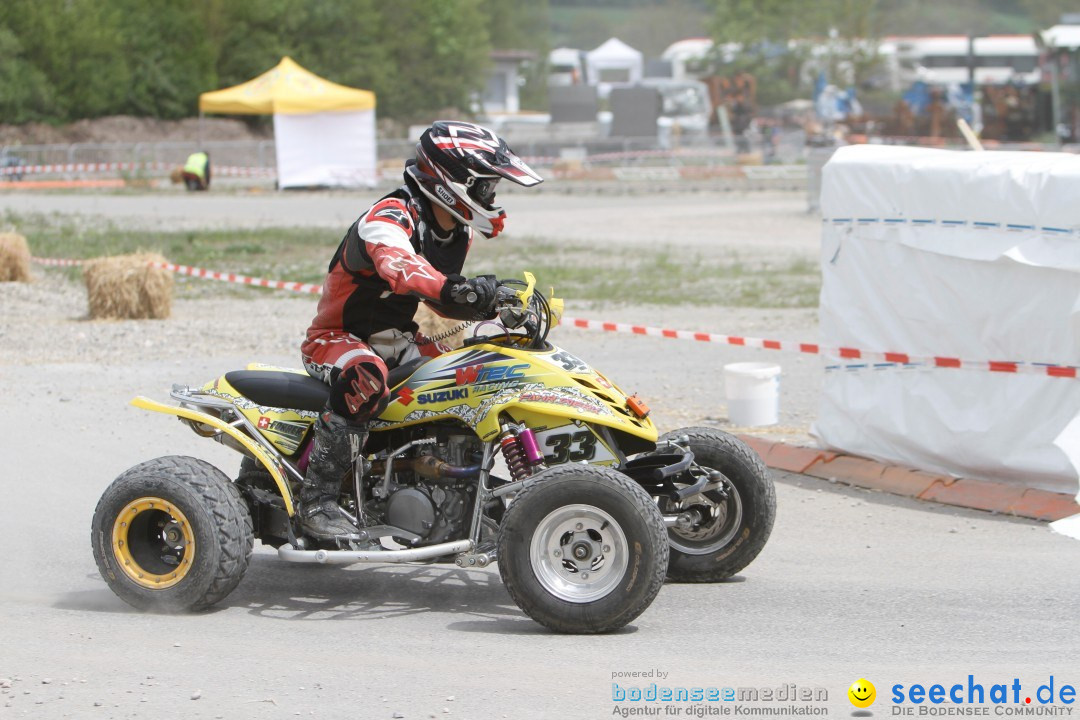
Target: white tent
<point x="324" y="132"/>
<point x="614" y="62"/>
<point x="1062" y="36"/>
<point x="940" y="254"/>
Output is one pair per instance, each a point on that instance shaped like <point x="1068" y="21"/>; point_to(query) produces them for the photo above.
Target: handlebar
<point x="521" y="306"/>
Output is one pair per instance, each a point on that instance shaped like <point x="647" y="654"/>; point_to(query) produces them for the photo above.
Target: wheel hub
<point x="579" y="553"/>
<point x="710" y="523"/>
<point x="154" y="543"/>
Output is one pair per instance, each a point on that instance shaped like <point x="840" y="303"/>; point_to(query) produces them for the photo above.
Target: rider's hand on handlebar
<point x="478" y="292"/>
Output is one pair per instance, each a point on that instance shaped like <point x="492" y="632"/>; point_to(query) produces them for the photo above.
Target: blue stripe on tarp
<point x="979" y="224"/>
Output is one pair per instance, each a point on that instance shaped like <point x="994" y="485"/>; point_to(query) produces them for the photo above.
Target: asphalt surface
<point x="852" y="584"/>
<point x="753" y="221"/>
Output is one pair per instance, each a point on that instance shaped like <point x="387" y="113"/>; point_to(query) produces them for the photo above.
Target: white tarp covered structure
<point x="967" y="255"/>
<point x="324" y="133"/>
<point x="614" y="63"/>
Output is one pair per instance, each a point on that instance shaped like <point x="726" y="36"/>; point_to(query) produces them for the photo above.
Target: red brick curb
<point x="862" y="472"/>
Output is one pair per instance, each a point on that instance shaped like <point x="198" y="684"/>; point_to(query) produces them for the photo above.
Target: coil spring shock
<point x="514" y="455"/>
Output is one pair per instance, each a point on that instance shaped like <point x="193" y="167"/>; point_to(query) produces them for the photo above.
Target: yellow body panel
<point x="285" y="428"/>
<point x="250" y="445"/>
<point x="475" y="384"/>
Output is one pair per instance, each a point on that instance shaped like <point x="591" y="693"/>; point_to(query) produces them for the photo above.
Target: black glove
<point x="478" y="292"/>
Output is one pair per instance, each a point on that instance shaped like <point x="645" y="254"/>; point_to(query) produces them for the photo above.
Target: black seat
<point x="273" y="388"/>
<point x="402" y="372"/>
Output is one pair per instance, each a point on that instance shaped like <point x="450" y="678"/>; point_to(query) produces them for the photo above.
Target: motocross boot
<point x="335" y="446"/>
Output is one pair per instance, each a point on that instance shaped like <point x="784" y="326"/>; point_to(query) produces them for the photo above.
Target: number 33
<point x="561" y="447"/>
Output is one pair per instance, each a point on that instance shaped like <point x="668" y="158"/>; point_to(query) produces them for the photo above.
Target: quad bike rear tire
<point x="172" y="534"/>
<point x="582" y="549"/>
<point x="743" y="521"/>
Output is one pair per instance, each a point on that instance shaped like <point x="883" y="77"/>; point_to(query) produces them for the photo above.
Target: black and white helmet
<point x="458" y="165"/>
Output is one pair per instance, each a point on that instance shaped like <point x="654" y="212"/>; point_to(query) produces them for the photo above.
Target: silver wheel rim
<point x="719" y="530"/>
<point x="579" y="553"/>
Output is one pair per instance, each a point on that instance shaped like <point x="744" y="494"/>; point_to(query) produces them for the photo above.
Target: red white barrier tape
<point x="241" y="279"/>
<point x="238" y="171"/>
<point x="56" y="262"/>
<point x="80" y="168"/>
<point x="225" y="171"/>
<point x="880" y="359"/>
<point x="630" y="155"/>
<point x="898" y="359"/>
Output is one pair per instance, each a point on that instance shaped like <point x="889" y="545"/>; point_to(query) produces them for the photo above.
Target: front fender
<point x="260" y="454"/>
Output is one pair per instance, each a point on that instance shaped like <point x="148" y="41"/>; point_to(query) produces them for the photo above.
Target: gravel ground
<point x="682" y="380"/>
<point x="852" y="583"/>
<point x="44" y="324"/>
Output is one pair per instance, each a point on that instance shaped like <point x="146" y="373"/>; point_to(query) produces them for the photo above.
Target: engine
<point x="433" y="486"/>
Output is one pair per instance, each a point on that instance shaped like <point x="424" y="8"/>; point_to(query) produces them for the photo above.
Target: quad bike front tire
<point x="172" y="534"/>
<point x="582" y="549"/>
<point x="738" y="526"/>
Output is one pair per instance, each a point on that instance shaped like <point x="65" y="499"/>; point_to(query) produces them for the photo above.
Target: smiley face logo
<point x="862" y="693"/>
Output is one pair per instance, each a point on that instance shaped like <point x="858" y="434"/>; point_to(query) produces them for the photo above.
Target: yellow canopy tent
<point x="324" y="132"/>
<point x="288" y="89"/>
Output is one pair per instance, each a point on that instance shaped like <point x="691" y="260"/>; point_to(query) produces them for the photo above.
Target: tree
<point x="25" y="93"/>
<point x="765" y="30"/>
<point x="1047" y="13"/>
<point x="440" y="54"/>
<point x="171" y="58"/>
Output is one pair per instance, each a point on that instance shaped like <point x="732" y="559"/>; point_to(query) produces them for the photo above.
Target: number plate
<point x="573" y="443"/>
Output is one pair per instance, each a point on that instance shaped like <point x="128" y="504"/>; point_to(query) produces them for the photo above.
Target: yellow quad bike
<point x="587" y="512"/>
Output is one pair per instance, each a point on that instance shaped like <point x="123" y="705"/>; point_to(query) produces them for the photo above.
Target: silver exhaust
<point x="349" y="557"/>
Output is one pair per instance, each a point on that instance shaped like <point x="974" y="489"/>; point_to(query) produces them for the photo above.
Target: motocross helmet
<point x="457" y="167"/>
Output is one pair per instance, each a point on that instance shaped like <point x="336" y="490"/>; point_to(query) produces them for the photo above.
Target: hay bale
<point x="432" y="325"/>
<point x="14" y="258"/>
<point x="125" y="287"/>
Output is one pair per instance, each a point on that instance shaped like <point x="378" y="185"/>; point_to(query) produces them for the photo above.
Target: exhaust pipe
<point x="350" y="557"/>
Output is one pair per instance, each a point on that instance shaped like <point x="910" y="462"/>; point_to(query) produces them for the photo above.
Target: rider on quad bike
<point x="408" y="247"/>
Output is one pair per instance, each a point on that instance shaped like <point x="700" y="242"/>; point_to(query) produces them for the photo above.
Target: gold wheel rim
<point x="145" y="532"/>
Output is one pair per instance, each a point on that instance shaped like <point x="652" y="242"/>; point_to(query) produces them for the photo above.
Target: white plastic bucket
<point x="753" y="393"/>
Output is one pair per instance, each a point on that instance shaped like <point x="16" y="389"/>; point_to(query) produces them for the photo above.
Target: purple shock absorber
<point x="528" y="444"/>
<point x="305" y="456"/>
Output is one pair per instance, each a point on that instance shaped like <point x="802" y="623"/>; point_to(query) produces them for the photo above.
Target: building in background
<point x="502" y="92"/>
<point x="612" y="64"/>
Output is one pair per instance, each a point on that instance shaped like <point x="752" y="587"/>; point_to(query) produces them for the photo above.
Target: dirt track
<point x="852" y="584"/>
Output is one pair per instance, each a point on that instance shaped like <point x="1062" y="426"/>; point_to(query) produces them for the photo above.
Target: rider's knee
<point x="359" y="392"/>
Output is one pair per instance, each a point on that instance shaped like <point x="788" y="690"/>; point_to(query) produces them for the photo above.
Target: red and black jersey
<point x="388" y="261"/>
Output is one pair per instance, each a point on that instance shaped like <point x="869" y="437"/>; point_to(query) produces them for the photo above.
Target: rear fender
<point x="257" y="451"/>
